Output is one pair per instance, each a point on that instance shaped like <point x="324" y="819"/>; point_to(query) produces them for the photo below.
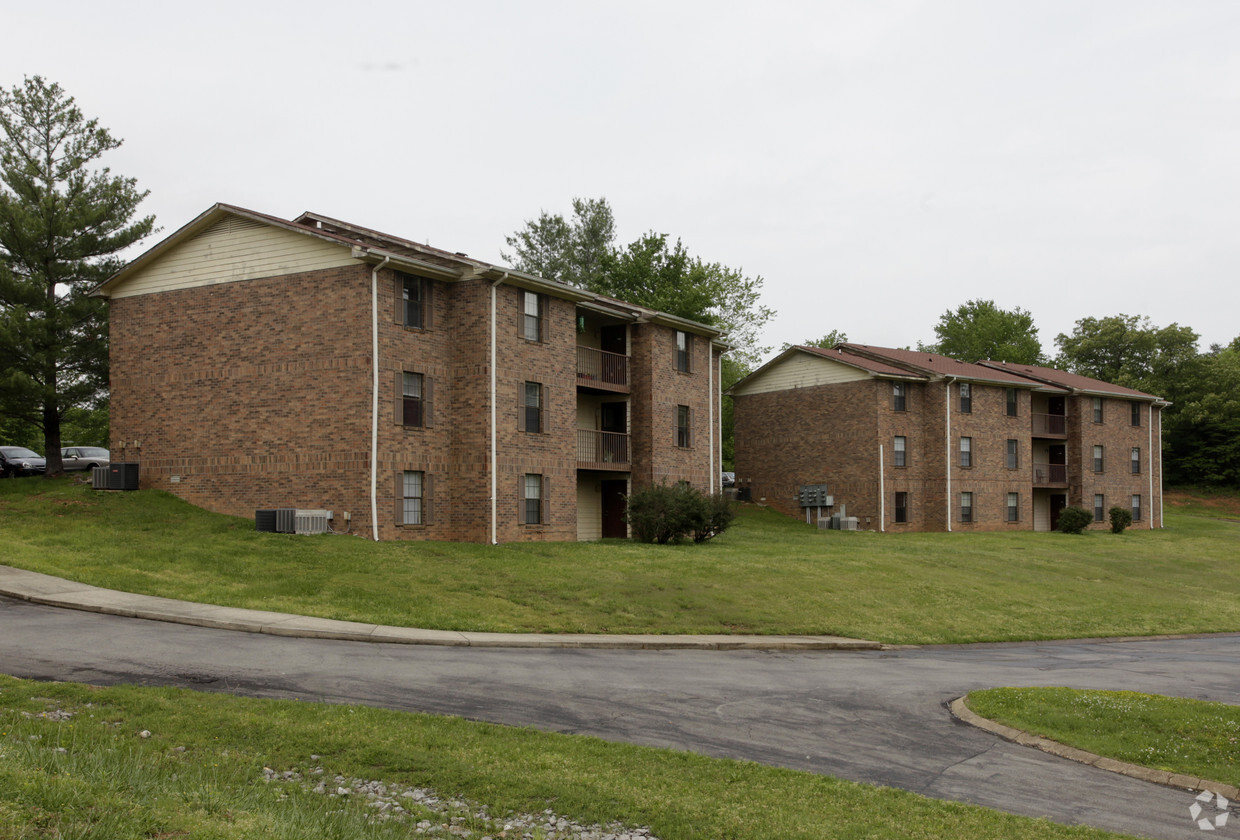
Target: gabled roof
<point x="1071" y="381"/>
<point x="934" y="366"/>
<point x="870" y="365"/>
<point x="374" y="247"/>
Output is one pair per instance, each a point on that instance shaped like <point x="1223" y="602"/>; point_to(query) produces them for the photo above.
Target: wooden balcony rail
<point x="1050" y="424"/>
<point x="602" y="450"/>
<point x="1044" y="474"/>
<point x="601" y="369"/>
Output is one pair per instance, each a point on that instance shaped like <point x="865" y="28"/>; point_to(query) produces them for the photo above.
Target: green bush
<point x="1074" y="520"/>
<point x="1121" y="518"/>
<point x="663" y="513"/>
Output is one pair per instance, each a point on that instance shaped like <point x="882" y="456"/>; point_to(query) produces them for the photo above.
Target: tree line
<point x="64" y="220"/>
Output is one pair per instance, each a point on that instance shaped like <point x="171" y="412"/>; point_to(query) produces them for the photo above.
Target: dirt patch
<point x="1221" y="504"/>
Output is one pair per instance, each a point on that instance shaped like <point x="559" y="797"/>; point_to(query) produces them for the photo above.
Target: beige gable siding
<point x="234" y="249"/>
<point x="801" y="371"/>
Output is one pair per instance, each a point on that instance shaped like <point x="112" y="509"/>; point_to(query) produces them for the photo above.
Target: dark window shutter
<point x="428" y="401"/>
<point x="428" y="498"/>
<point x="688" y="352"/>
<point x="400" y="497"/>
<point x="543" y="413"/>
<point x="546" y="500"/>
<point x="543" y="317"/>
<point x="427" y="303"/>
<point x="399" y="288"/>
<point x="521" y="499"/>
<point x="521" y="406"/>
<point x="399" y="415"/>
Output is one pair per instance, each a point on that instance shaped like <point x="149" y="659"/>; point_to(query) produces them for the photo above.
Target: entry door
<point x="613" y="339"/>
<point x="613" y="509"/>
<point x="1059" y="501"/>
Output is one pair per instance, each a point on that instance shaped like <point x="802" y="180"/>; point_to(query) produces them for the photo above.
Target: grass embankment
<point x="73" y="763"/>
<point x="1192" y="737"/>
<point x="768" y="574"/>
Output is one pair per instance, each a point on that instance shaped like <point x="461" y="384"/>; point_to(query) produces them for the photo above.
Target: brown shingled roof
<point x="1071" y="381"/>
<point x="837" y="354"/>
<point x="932" y="363"/>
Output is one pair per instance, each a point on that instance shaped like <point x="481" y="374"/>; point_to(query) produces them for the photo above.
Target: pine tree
<point x="62" y="222"/>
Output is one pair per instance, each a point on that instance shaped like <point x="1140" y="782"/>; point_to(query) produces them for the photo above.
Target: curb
<point x="47" y="590"/>
<point x="964" y="714"/>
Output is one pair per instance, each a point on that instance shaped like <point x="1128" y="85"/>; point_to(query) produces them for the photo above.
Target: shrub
<point x="663" y="513"/>
<point x="1074" y="520"/>
<point x="1121" y="518"/>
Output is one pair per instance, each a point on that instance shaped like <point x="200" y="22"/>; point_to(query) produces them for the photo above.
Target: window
<point x="1013" y="401"/>
<point x="1099" y="459"/>
<point x="1013" y="454"/>
<point x="413" y="399"/>
<point x="1136" y="508"/>
<point x="532" y="316"/>
<point x="412" y="301"/>
<point x="684" y="437"/>
<point x="897" y="396"/>
<point x="1098" y="409"/>
<point x="1013" y="507"/>
<point x="684" y="352"/>
<point x="966" y="398"/>
<point x="966" y="507"/>
<point x="413" y="492"/>
<point x="899" y="449"/>
<point x="532" y="410"/>
<point x="1136" y="413"/>
<point x="534" y="499"/>
<point x="1100" y="507"/>
<point x="901" y="507"/>
<point x="1136" y="460"/>
<point x="966" y="452"/>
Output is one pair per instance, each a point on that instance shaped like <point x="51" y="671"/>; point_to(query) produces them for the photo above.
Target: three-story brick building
<point x="414" y="392"/>
<point x="907" y="440"/>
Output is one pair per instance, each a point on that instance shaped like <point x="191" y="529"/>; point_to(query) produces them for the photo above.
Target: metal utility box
<point x="815" y="495"/>
<point x="123" y="476"/>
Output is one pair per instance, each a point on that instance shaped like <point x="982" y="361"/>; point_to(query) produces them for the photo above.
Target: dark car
<point x="728" y="479"/>
<point x="84" y="457"/>
<point x="17" y="461"/>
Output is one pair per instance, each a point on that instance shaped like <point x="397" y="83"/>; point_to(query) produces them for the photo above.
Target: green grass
<point x="1192" y="737"/>
<point x="74" y="765"/>
<point x="768" y="575"/>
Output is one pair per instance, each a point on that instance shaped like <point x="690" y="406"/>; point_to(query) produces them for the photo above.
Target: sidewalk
<point x="57" y="592"/>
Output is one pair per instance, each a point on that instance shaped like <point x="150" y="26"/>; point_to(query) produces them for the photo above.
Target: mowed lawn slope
<point x="768" y="574"/>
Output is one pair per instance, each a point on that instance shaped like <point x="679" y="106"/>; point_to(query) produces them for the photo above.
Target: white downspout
<point x="882" y="493"/>
<point x="710" y="407"/>
<point x="1151" y="451"/>
<point x="494" y="455"/>
<point x="374" y="398"/>
<point x="948" y="464"/>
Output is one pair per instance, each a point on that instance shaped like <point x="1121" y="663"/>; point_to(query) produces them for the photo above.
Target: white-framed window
<point x="1135" y="408"/>
<point x="899" y="451"/>
<point x="684" y="428"/>
<point x="412" y="388"/>
<point x="684" y="351"/>
<point x="1099" y="459"/>
<point x="898" y="396"/>
<point x="533" y="407"/>
<point x="414" y="507"/>
<point x="966" y="506"/>
<point x="1013" y="507"/>
<point x="902" y="508"/>
<point x="1013" y="454"/>
<point x="966" y="398"/>
<point x="533" y="499"/>
<point x="1136" y="460"/>
<point x="1013" y="402"/>
<point x="966" y="452"/>
<point x="532" y="316"/>
<point x="1100" y="507"/>
<point x="1136" y="508"/>
<point x="413" y="295"/>
<point x="1099" y="403"/>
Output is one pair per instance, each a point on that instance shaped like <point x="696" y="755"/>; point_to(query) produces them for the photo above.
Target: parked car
<point x="84" y="457"/>
<point x="17" y="461"/>
<point x="728" y="479"/>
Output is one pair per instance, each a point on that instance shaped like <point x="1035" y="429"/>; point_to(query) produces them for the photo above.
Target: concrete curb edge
<point x="961" y="712"/>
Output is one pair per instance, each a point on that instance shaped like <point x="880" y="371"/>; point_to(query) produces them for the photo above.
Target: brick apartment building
<point x="416" y="393"/>
<point x="913" y="441"/>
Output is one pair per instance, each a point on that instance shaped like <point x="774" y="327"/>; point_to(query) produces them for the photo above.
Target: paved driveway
<point x="868" y="716"/>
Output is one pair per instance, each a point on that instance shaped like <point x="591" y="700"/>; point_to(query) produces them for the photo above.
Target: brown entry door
<point x="613" y="509"/>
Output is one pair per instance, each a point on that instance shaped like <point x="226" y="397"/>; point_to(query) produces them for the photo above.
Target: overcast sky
<point x="877" y="163"/>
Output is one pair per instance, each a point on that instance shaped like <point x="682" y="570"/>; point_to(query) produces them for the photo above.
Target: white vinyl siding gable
<point x="800" y="371"/>
<point x="234" y="249"/>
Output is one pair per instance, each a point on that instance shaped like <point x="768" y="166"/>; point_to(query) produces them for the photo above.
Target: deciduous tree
<point x="62" y="222"/>
<point x="978" y="329"/>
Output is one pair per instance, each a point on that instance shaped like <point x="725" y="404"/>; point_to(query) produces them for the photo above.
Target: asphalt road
<point x="876" y="717"/>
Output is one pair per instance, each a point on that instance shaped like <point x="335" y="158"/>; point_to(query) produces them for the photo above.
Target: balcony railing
<point x="1050" y="425"/>
<point x="602" y="450"/>
<point x="1046" y="475"/>
<point x="603" y="370"/>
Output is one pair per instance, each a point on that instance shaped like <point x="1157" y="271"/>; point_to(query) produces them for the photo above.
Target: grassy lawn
<point x="768" y="574"/>
<point x="1166" y="733"/>
<point x="74" y="763"/>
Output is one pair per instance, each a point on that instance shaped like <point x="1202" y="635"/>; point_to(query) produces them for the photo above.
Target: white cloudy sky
<point x="877" y="163"/>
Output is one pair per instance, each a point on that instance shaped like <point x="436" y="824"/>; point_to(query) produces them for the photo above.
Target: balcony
<point x="1050" y="475"/>
<point x="602" y="371"/>
<point x="1050" y="425"/>
<point x="602" y="450"/>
